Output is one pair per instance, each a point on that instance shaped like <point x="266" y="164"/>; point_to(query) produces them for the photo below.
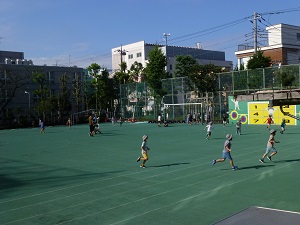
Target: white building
<point x="139" y="51"/>
<point x="283" y="46"/>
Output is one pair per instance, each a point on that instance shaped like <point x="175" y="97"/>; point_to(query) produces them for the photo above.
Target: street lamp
<point x="26" y="92"/>
<point x="166" y="37"/>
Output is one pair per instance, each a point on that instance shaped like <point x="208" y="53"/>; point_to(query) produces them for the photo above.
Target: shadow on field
<point x="171" y="164"/>
<point x="7" y="182"/>
<point x="254" y="167"/>
<point x="287" y="160"/>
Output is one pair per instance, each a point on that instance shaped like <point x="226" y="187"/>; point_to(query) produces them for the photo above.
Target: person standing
<point x="42" y="126"/>
<point x="159" y="120"/>
<point x="113" y="120"/>
<point x="226" y="154"/>
<point x="224" y="120"/>
<point x="238" y="126"/>
<point x="91" y="125"/>
<point x="270" y="147"/>
<point x="121" y="121"/>
<point x="208" y="127"/>
<point x="145" y="150"/>
<point x="69" y="123"/>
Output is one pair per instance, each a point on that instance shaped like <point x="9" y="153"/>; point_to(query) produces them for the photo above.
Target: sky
<point x="82" y="32"/>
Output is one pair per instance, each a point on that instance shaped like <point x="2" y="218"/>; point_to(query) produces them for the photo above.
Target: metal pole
<point x="255" y="32"/>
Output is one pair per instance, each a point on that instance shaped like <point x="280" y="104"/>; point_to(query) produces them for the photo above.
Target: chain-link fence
<point x="136" y="100"/>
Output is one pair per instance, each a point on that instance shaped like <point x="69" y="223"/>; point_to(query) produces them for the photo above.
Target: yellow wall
<point x="258" y="113"/>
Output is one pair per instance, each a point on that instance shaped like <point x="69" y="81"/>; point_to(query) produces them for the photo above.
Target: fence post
<point x="232" y="82"/>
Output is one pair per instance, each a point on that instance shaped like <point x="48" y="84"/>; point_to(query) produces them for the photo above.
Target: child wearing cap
<point x="145" y="149"/>
<point x="270" y="147"/>
<point x="226" y="153"/>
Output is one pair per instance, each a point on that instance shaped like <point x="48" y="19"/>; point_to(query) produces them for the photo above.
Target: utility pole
<point x="255" y="33"/>
<point x="122" y="52"/>
<point x="166" y="38"/>
<point x="255" y="18"/>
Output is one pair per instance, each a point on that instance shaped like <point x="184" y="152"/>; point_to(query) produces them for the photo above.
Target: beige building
<point x="283" y="46"/>
<point x="139" y="51"/>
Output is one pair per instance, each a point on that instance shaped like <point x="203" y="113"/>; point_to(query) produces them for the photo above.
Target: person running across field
<point x="208" y="127"/>
<point x="270" y="147"/>
<point x="145" y="149"/>
<point x="226" y="154"/>
<point x="269" y="122"/>
<point x="282" y="126"/>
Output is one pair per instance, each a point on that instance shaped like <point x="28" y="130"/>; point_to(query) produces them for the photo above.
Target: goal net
<point x="180" y="111"/>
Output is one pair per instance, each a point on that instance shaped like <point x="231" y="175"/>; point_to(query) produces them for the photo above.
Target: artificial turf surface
<point x="66" y="177"/>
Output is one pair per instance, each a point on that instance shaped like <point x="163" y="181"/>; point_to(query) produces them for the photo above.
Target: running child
<point x="209" y="127"/>
<point x="282" y="126"/>
<point x="226" y="153"/>
<point x="145" y="149"/>
<point x="269" y="122"/>
<point x="270" y="147"/>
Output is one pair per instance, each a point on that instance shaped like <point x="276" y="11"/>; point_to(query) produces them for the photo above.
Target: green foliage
<point x="186" y="66"/>
<point x="42" y="93"/>
<point x="64" y="104"/>
<point x="287" y="78"/>
<point x="77" y="91"/>
<point x="155" y="71"/>
<point x="122" y="75"/>
<point x="136" y="72"/>
<point x="106" y="88"/>
<point x="258" y="60"/>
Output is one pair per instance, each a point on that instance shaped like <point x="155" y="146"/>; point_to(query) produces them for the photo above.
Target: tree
<point x="10" y="83"/>
<point x="136" y="72"/>
<point x="155" y="71"/>
<point x="42" y="93"/>
<point x="64" y="104"/>
<point x="122" y="75"/>
<point x="186" y="66"/>
<point x="258" y="60"/>
<point x="94" y="71"/>
<point x="77" y="91"/>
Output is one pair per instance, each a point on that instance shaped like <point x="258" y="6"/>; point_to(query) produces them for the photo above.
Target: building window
<point x="171" y="67"/>
<point x="51" y="77"/>
<point x="138" y="54"/>
<point x="130" y="56"/>
<point x="298" y="36"/>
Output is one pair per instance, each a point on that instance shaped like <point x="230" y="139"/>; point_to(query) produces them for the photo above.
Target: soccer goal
<point x="179" y="111"/>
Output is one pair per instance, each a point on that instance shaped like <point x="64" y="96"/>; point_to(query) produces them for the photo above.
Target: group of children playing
<point x="226" y="153"/>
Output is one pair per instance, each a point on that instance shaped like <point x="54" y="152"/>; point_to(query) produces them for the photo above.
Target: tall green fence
<point x="136" y="100"/>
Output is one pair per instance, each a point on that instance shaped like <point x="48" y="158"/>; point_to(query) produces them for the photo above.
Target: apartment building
<point x="17" y="97"/>
<point x="283" y="46"/>
<point x="139" y="51"/>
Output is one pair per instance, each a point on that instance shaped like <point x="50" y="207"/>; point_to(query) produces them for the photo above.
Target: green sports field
<point x="66" y="177"/>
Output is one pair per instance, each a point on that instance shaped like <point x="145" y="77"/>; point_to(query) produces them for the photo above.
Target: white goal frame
<point x="195" y="108"/>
